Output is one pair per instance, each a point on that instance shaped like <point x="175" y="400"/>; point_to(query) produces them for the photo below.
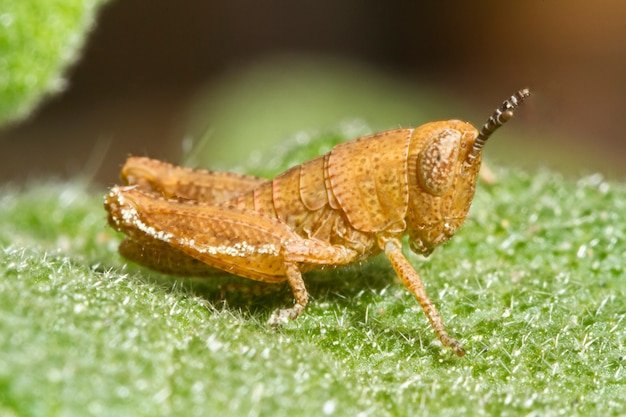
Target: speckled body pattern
<point x="346" y="206"/>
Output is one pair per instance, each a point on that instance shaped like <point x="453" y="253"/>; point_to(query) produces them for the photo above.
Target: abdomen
<point x="300" y="197"/>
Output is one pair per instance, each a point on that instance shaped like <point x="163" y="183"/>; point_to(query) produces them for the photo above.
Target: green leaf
<point x="533" y="285"/>
<point x="39" y="39"/>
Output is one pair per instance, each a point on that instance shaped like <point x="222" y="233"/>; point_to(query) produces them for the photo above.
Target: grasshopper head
<point x="444" y="161"/>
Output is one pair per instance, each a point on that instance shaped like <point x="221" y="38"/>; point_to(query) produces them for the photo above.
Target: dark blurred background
<point x="149" y="65"/>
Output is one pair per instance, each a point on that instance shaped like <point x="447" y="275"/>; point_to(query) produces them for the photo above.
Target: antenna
<point x="499" y="117"/>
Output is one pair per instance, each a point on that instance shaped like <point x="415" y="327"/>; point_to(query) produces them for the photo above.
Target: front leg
<point x="393" y="249"/>
<point x="235" y="240"/>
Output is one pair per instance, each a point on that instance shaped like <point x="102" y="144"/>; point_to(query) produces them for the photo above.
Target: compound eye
<point x="437" y="163"/>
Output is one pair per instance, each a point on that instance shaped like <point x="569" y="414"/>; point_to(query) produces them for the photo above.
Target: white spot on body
<point x="130" y="218"/>
<point x="238" y="249"/>
<point x="133" y="218"/>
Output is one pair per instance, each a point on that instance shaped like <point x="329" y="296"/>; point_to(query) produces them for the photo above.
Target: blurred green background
<point x="157" y="78"/>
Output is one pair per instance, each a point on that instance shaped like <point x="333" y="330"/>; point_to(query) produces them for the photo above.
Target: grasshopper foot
<point x="281" y="317"/>
<point x="453" y="344"/>
<point x="294" y="278"/>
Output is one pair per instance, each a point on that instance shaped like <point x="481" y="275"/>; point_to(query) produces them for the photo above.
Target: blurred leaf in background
<point x="255" y="108"/>
<point x="38" y="41"/>
<point x="250" y="112"/>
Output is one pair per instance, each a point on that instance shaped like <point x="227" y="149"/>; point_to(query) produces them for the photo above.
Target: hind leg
<point x="235" y="240"/>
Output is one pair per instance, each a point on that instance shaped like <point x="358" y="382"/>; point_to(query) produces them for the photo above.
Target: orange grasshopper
<point x="344" y="207"/>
